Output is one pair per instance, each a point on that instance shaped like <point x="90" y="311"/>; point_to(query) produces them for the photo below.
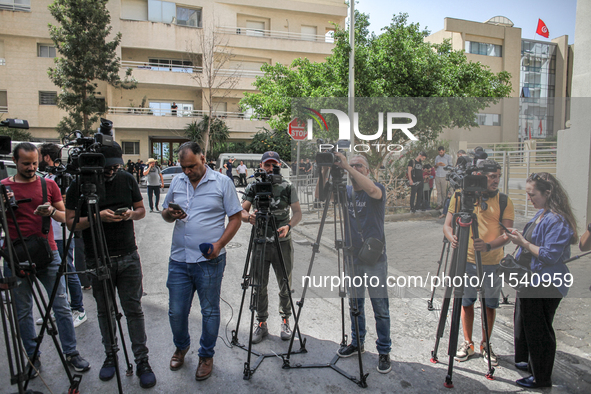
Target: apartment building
<point x="537" y="107"/>
<point x="161" y="43"/>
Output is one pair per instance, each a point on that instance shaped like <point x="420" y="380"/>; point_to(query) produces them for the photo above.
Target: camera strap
<point x="45" y="220"/>
<point x="354" y="199"/>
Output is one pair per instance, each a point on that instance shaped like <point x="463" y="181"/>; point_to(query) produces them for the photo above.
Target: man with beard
<point x="121" y="191"/>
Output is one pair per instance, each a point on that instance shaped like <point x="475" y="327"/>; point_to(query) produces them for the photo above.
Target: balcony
<point x="146" y="73"/>
<point x="274" y="40"/>
<point x="3" y="109"/>
<point x="16" y="5"/>
<point x="154" y="119"/>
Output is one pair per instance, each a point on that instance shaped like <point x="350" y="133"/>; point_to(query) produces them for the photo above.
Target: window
<point x="481" y="48"/>
<point x="47" y="98"/>
<point x="488" y="119"/>
<point x="163" y="108"/>
<point x="15" y="5"/>
<point x="101" y="105"/>
<point x="45" y="50"/>
<point x="3" y="101"/>
<point x="2" y="60"/>
<point x="255" y="28"/>
<point x="188" y="16"/>
<point x="130" y="147"/>
<point x="309" y="33"/>
<point x="161" y="11"/>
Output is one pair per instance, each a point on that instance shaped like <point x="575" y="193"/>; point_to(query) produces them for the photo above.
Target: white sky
<point x="559" y="15"/>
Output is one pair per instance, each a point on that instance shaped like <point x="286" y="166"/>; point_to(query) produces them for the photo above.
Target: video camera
<point x="84" y="158"/>
<point x="326" y="157"/>
<point x="263" y="186"/>
<point x="462" y="177"/>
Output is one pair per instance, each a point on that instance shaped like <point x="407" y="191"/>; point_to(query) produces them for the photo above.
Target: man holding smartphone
<point x="121" y="205"/>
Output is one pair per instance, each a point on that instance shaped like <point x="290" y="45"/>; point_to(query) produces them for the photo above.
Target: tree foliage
<point x="275" y="140"/>
<point x="397" y="63"/>
<point x="218" y="134"/>
<point x="16" y="134"/>
<point x="86" y="56"/>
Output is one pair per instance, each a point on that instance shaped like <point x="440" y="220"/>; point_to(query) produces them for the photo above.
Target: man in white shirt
<point x="242" y="172"/>
<point x="441" y="161"/>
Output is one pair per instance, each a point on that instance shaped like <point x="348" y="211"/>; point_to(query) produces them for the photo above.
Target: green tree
<point x="275" y="140"/>
<point x="85" y="58"/>
<point x="218" y="134"/>
<point x="397" y="63"/>
<point x="15" y="134"/>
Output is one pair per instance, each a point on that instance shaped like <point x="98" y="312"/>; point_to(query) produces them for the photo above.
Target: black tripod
<point x="17" y="359"/>
<point x="444" y="251"/>
<point x="465" y="220"/>
<point x="337" y="192"/>
<point x="252" y="277"/>
<point x="90" y="200"/>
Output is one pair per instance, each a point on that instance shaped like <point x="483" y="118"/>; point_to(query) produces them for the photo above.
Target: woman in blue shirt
<point x="545" y="244"/>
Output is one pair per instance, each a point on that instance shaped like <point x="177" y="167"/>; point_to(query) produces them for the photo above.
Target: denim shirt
<point x="553" y="235"/>
<point x="206" y="206"/>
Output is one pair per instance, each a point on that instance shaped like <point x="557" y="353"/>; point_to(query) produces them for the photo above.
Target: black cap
<point x="113" y="154"/>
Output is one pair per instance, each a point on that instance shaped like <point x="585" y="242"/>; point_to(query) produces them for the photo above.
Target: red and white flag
<point x="542" y="29"/>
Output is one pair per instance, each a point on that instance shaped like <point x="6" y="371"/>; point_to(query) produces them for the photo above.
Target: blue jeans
<point x="183" y="280"/>
<point x="74" y="286"/>
<point x="61" y="308"/>
<point x="126" y="276"/>
<point x="379" y="302"/>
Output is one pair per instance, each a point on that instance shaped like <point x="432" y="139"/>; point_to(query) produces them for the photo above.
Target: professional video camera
<point x="263" y="186"/>
<point x="84" y="158"/>
<point x="462" y="176"/>
<point x="326" y="157"/>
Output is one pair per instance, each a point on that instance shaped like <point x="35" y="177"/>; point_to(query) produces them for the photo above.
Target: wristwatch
<point x="289" y="227"/>
<point x="488" y="247"/>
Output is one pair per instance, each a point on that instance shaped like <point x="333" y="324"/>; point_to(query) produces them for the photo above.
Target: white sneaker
<point x="40" y="320"/>
<point x="78" y="318"/>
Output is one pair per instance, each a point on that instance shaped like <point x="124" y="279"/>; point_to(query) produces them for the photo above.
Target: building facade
<point x="166" y="44"/>
<point x="537" y="107"/>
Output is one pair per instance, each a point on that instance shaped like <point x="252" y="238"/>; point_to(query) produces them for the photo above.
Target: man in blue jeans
<point x="205" y="197"/>
<point x="121" y="192"/>
<point x="48" y="154"/>
<point x="26" y="184"/>
<point x="367" y="219"/>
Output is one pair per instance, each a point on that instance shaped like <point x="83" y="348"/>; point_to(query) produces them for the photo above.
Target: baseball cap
<point x="113" y="154"/>
<point x="270" y="155"/>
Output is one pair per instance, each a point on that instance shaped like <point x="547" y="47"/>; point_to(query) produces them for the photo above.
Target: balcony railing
<point x="284" y="35"/>
<point x="189" y="69"/>
<point x="3" y="108"/>
<point x="196" y="113"/>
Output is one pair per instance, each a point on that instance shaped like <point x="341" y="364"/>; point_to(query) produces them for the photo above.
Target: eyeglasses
<point x="483" y="204"/>
<point x="113" y="168"/>
<point x="357" y="165"/>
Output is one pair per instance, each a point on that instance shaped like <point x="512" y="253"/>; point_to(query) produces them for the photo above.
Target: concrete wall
<point x="574" y="144"/>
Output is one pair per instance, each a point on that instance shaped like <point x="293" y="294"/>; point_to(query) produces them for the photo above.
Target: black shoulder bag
<point x="517" y="273"/>
<point x="372" y="248"/>
<point x="37" y="246"/>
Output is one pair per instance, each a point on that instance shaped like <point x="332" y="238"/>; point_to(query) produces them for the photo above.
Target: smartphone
<point x="120" y="211"/>
<point x="176" y="207"/>
<point x="505" y="228"/>
<point x="43" y="207"/>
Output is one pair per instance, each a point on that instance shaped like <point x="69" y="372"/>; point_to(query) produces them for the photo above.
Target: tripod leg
<point x="445" y="246"/>
<point x="245" y="284"/>
<point x="482" y="296"/>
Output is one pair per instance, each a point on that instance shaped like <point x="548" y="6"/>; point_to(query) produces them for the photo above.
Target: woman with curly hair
<point x="545" y="245"/>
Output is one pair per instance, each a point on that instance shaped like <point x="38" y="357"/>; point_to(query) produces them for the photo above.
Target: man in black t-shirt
<point x="121" y="191"/>
<point x="415" y="178"/>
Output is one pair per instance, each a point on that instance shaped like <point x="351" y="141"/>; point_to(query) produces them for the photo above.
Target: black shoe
<point x="147" y="377"/>
<point x="349" y="351"/>
<point x="531" y="383"/>
<point x="384" y="365"/>
<point x="108" y="370"/>
<point x="78" y="363"/>
<point x="522" y="366"/>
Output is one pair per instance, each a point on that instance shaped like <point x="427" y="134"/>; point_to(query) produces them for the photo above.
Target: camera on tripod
<point x="84" y="158"/>
<point x="462" y="176"/>
<point x="263" y="186"/>
<point x="326" y="157"/>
